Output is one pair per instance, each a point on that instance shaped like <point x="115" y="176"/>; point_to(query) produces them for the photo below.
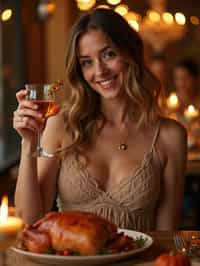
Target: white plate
<point x="87" y="260"/>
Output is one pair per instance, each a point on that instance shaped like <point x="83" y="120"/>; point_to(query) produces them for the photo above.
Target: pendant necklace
<point x="123" y="146"/>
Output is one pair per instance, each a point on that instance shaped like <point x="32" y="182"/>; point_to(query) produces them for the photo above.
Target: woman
<point x="186" y="78"/>
<point x="120" y="159"/>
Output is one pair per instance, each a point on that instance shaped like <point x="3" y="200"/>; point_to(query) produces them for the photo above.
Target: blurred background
<point x="33" y="38"/>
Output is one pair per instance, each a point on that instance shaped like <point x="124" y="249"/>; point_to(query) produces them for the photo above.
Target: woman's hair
<point x="190" y="65"/>
<point x="82" y="109"/>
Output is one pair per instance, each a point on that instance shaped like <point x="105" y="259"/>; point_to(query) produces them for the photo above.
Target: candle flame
<point x="191" y="109"/>
<point x="173" y="98"/>
<point x="4" y="209"/>
<point x="172" y="101"/>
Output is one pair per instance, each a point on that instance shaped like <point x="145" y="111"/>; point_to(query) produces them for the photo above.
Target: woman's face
<point x="185" y="82"/>
<point x="103" y="66"/>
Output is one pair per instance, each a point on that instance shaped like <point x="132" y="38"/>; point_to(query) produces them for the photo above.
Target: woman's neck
<point x="116" y="112"/>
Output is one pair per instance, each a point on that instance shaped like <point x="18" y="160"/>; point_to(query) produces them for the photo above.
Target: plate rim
<point x="90" y="258"/>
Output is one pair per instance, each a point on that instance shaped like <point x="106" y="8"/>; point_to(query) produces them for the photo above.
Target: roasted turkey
<point x="81" y="232"/>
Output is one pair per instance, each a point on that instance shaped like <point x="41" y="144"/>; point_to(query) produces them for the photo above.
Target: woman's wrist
<point x="28" y="148"/>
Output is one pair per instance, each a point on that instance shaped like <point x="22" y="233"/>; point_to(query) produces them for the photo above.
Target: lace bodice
<point x="130" y="205"/>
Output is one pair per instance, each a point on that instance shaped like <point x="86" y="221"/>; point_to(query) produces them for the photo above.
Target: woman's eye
<point x="86" y="62"/>
<point x="109" y="54"/>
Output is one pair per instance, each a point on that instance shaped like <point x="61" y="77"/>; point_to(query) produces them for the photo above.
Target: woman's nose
<point x="100" y="67"/>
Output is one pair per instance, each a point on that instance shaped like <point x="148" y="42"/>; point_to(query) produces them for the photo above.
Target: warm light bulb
<point x="154" y="16"/>
<point x="4" y="209"/>
<point x="194" y="20"/>
<point x="168" y="18"/>
<point x="134" y="24"/>
<point x="6" y="14"/>
<point x="121" y="9"/>
<point x="180" y="18"/>
<point x="133" y="19"/>
<point x="113" y="2"/>
<point x="131" y="16"/>
<point x="86" y="6"/>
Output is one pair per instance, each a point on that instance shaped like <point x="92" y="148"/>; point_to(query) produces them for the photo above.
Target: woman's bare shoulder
<point x="171" y="126"/>
<point x="172" y="132"/>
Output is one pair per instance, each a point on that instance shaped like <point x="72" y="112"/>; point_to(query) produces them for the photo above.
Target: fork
<point x="181" y="245"/>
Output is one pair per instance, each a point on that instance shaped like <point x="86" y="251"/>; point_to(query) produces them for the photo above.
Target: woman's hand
<point x="27" y="119"/>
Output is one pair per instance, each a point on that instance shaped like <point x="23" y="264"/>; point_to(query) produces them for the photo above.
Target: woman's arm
<point x="174" y="146"/>
<point x="36" y="183"/>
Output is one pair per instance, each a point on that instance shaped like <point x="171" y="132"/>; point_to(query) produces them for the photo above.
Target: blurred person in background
<point x="186" y="81"/>
<point x="160" y="68"/>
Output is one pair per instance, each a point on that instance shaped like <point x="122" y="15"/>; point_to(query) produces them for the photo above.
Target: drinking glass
<point x="44" y="96"/>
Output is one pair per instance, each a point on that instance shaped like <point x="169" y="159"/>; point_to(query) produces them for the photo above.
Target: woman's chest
<point x="79" y="186"/>
<point x="110" y="165"/>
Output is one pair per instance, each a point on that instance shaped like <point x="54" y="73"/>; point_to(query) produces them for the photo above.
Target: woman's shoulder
<point x="170" y="125"/>
<point x="172" y="131"/>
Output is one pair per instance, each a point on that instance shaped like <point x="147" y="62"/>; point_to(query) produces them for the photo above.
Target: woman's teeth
<point x="106" y="82"/>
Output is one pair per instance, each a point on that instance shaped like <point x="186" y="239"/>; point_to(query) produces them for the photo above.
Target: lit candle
<point x="191" y="113"/>
<point x="9" y="226"/>
<point x="172" y="101"/>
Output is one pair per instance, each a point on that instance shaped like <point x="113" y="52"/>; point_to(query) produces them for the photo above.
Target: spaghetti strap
<point x="155" y="135"/>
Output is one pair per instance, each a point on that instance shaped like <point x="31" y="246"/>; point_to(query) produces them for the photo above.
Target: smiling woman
<point x="119" y="158"/>
<point x="103" y="66"/>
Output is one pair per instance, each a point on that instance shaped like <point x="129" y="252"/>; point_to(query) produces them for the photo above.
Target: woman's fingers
<point x="23" y="102"/>
<point x="30" y="113"/>
<point x="27" y="119"/>
<point x="20" y="95"/>
<point x="22" y="123"/>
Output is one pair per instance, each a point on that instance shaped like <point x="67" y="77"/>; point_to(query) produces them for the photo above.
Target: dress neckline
<point x="146" y="160"/>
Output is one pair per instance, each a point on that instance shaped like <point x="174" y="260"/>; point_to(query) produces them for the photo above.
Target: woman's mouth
<point x="107" y="83"/>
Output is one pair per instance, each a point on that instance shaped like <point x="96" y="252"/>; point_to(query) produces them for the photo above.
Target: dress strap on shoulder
<point x="157" y="131"/>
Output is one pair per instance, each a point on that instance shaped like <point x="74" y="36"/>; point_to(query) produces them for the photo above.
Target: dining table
<point x="162" y="243"/>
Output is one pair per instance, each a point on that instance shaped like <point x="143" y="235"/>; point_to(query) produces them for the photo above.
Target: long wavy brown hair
<point x="82" y="110"/>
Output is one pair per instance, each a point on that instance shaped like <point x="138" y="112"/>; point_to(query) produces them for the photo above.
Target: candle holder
<point x="10" y="227"/>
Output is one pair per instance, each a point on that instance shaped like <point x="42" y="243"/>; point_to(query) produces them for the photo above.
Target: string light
<point x="158" y="27"/>
<point x="6" y="14"/>
<point x="85" y="5"/>
<point x="122" y="9"/>
<point x="113" y="2"/>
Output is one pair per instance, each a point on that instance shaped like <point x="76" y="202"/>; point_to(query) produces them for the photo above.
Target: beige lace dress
<point x="131" y="205"/>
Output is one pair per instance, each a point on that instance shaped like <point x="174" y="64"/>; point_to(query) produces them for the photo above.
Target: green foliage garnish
<point x="140" y="241"/>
